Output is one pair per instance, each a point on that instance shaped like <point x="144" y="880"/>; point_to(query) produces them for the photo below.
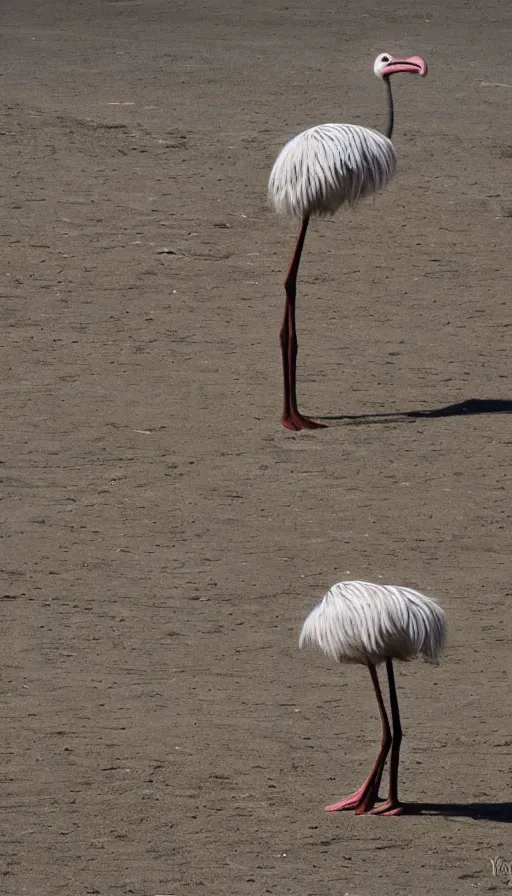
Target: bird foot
<point x="390" y="807"/>
<point x="296" y="421"/>
<point x="362" y="801"/>
<point x="344" y="805"/>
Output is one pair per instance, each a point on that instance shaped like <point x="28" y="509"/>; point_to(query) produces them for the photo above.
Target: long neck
<point x="391" y="115"/>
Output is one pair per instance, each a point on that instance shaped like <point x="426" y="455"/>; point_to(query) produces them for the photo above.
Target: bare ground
<point x="163" y="536"/>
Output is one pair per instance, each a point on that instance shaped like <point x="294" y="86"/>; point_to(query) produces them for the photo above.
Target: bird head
<point x="386" y="65"/>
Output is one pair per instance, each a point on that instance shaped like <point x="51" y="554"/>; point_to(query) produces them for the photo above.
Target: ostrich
<point x="314" y="174"/>
<point x="358" y="622"/>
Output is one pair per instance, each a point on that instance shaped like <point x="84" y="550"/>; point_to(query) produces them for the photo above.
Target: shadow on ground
<point x="462" y="408"/>
<point x="478" y="811"/>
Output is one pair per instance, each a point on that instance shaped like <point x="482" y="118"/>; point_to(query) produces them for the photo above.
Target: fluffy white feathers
<point x="359" y="622"/>
<point x="328" y="165"/>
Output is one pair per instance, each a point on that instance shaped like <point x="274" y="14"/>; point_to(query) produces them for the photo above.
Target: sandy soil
<point x="163" y="536"/>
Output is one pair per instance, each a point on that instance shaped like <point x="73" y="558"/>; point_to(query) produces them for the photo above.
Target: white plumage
<point x="359" y="622"/>
<point x="314" y="174"/>
<point x="328" y="165"/>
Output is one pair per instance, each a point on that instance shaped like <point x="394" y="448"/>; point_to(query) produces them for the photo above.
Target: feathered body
<point x="314" y="174"/>
<point x="329" y="165"/>
<point x="359" y="622"/>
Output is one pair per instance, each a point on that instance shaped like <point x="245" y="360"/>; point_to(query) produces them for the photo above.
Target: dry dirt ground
<point x="163" y="536"/>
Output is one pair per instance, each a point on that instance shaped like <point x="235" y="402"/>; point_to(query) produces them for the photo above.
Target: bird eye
<point x="385" y="58"/>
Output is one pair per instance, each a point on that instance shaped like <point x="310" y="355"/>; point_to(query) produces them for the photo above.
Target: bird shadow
<point x="462" y="408"/>
<point x="501" y="812"/>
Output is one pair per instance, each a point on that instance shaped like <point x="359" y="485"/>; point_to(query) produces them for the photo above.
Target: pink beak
<point x="416" y="65"/>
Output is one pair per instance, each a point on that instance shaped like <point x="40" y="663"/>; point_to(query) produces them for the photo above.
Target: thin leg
<point x="285" y="340"/>
<point x="392" y="806"/>
<point x="364" y="798"/>
<point x="292" y="418"/>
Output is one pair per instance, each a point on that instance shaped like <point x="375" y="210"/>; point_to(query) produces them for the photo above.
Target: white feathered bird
<point x="316" y="172"/>
<point x="359" y="622"/>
